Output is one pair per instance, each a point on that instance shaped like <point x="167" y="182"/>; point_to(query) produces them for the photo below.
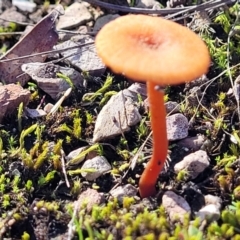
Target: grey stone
<point x="89" y="198"/>
<point x="11" y="14"/>
<point x="176" y="206"/>
<point x="192" y="143"/>
<point x="116" y="117"/>
<point x="84" y="58"/>
<point x="172" y="107"/>
<point x="75" y="153"/>
<point x="177" y="127"/>
<point x="211" y="199"/>
<point x="194" y="164"/>
<point x="99" y="165"/>
<point x="75" y="15"/>
<point x="25" y="5"/>
<point x="34" y="113"/>
<point x="124" y="191"/>
<point x="210" y="213"/>
<point x="45" y="74"/>
<point x="139" y="88"/>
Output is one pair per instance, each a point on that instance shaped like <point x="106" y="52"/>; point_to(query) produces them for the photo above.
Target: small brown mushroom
<point x="159" y="52"/>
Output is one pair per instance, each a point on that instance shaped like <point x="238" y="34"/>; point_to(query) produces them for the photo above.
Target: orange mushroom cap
<point x="147" y="48"/>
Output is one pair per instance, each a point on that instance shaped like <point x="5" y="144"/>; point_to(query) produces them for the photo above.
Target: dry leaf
<point x="40" y="39"/>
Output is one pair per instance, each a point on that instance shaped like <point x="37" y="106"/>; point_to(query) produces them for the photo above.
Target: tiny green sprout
<point x="222" y="96"/>
<point x="218" y="123"/>
<point x="26" y="158"/>
<point x="76" y="188"/>
<point x="227" y="231"/>
<point x="32" y="86"/>
<point x="95" y="186"/>
<point x="106" y="97"/>
<point x="12" y="141"/>
<point x="65" y="128"/>
<point x="128" y="201"/>
<point x="57" y="147"/>
<point x="6" y="201"/>
<point x="89" y="118"/>
<point x="68" y="139"/>
<point x="39" y="131"/>
<point x="77" y="128"/>
<point x="229" y="217"/>
<point x="139" y="98"/>
<point x="142" y="129"/>
<point x="223" y="182"/>
<point x="227" y="160"/>
<point x="235" y="134"/>
<point x="24" y="133"/>
<point x="41" y="181"/>
<point x="223" y="20"/>
<point x="80" y="157"/>
<point x="166" y="98"/>
<point x="124" y="166"/>
<point x="107" y="84"/>
<point x="25" y="236"/>
<point x="17" y="216"/>
<point x="29" y="185"/>
<point x="56" y="161"/>
<point x="164" y="236"/>
<point x="19" y="116"/>
<point x="44" y="180"/>
<point x="67" y="79"/>
<point x="79" y="171"/>
<point x="40" y="204"/>
<point x="236" y="193"/>
<point x="51" y="206"/>
<point x="182" y="176"/>
<point x="125" y="154"/>
<point x="3" y="48"/>
<point x="41" y="158"/>
<point x="234" y="149"/>
<point x="15" y="183"/>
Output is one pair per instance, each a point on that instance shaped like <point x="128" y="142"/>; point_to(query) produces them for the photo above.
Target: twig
<point x="47" y="52"/>
<point x="64" y="169"/>
<point x="175" y="11"/>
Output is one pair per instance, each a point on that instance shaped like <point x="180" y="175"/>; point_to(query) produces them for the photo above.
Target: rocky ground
<point x="75" y="137"/>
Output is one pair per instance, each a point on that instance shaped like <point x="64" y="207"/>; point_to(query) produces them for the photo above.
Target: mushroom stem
<point x="160" y="143"/>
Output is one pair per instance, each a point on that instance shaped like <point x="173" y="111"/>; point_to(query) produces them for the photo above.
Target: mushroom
<point x="159" y="52"/>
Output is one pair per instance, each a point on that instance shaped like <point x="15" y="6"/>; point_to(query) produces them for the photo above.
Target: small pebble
<point x="148" y="4"/>
<point x="25" y="5"/>
<point x="172" y="107"/>
<point x="176" y="206"/>
<point x="116" y="116"/>
<point x="177" y="127"/>
<point x="192" y="143"/>
<point x="98" y="164"/>
<point x="211" y="199"/>
<point x="210" y="212"/>
<point x="75" y="15"/>
<point x="90" y="197"/>
<point x="194" y="164"/>
<point x="124" y="191"/>
<point x="73" y="154"/>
